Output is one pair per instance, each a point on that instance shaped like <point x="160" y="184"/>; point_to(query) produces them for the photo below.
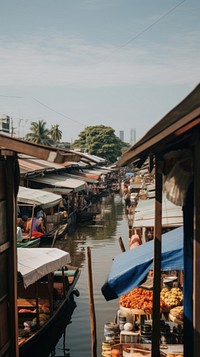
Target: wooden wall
<point x="8" y="258"/>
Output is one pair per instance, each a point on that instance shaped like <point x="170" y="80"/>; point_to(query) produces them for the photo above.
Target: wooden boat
<point x="30" y="199"/>
<point x="45" y="301"/>
<point x="29" y="243"/>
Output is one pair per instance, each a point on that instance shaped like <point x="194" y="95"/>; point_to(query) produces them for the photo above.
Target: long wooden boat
<point x="29" y="243"/>
<point x="46" y="285"/>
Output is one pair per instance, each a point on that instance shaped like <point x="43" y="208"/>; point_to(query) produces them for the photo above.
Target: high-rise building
<point x="121" y="135"/>
<point x="133" y="136"/>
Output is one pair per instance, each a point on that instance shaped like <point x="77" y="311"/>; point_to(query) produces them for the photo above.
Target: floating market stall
<point x="172" y="149"/>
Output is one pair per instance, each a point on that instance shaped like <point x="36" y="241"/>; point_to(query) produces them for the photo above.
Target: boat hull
<point x="43" y="342"/>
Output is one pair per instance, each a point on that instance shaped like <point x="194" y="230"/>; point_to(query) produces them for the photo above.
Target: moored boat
<point x="29" y="243"/>
<point x="45" y="301"/>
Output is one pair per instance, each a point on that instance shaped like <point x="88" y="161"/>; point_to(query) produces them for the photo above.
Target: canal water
<point x="103" y="240"/>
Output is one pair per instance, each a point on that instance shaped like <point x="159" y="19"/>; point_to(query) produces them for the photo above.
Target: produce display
<point x="143" y="299"/>
<point x="172" y="297"/>
<point x="177" y="313"/>
<point x="140" y="299"/>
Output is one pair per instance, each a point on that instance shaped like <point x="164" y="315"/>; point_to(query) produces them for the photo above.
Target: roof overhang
<point x="183" y="118"/>
<point x="37" y="197"/>
<point x="60" y="181"/>
<point x="43" y="152"/>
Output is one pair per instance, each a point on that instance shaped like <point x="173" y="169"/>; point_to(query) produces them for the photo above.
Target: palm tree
<point x="56" y="133"/>
<point x="39" y="134"/>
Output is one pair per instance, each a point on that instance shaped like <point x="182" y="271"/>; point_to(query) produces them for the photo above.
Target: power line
<point x="10" y="96"/>
<point x="55" y="111"/>
<point x="140" y="33"/>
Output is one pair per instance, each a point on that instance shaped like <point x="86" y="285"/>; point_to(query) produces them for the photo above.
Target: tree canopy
<point x="56" y="133"/>
<point x="101" y="141"/>
<point x="39" y="133"/>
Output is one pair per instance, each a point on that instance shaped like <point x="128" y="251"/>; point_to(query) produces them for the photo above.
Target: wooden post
<point x="196" y="258"/>
<point x="123" y="249"/>
<point x="91" y="300"/>
<point x="157" y="264"/>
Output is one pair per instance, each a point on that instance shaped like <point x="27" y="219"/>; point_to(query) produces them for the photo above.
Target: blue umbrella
<point x="130" y="268"/>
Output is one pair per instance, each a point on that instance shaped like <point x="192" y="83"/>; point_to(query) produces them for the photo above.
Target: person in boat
<point x="19" y="234"/>
<point x="35" y="227"/>
<point x="21" y="227"/>
<point x="63" y="212"/>
<point x="135" y="241"/>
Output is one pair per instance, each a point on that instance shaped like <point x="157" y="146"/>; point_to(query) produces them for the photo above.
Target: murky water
<point x="104" y="243"/>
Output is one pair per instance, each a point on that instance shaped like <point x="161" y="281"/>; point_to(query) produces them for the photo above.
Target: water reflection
<point x="102" y="237"/>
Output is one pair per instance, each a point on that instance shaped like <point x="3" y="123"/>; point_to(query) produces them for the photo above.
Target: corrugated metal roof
<point x="60" y="181"/>
<point x="28" y="164"/>
<point x="82" y="177"/>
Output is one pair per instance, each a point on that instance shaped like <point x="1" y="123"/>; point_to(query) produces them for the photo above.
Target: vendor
<point x="135" y="241"/>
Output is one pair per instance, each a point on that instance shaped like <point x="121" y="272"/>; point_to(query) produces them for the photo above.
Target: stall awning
<point x="82" y="178"/>
<point x="58" y="190"/>
<point x="37" y="197"/>
<point x="34" y="263"/>
<point x="60" y="181"/>
<point x="130" y="268"/>
<point x="172" y="215"/>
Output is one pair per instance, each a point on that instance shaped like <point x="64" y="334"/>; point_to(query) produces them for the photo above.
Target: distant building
<point x="5" y="123"/>
<point x="133" y="136"/>
<point x="121" y="135"/>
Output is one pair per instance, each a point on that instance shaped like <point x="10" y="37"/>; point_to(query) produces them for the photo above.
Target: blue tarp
<point x="127" y="174"/>
<point x="130" y="268"/>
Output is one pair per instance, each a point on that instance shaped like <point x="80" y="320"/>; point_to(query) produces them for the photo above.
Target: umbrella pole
<point x="91" y="300"/>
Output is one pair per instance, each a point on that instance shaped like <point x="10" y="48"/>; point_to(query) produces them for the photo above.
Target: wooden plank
<point x="40" y="151"/>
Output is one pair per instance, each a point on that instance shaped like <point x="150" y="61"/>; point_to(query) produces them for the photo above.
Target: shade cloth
<point x="34" y="263"/>
<point x="130" y="268"/>
<point x="37" y="197"/>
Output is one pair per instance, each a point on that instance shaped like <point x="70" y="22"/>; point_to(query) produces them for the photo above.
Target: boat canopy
<point x="130" y="269"/>
<point x="60" y="181"/>
<point x="37" y="197"/>
<point x="34" y="263"/>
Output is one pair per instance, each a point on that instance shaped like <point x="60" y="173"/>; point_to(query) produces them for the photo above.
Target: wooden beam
<point x="164" y="136"/>
<point x="11" y="219"/>
<point x="41" y="151"/>
<point x="196" y="260"/>
<point x="157" y="263"/>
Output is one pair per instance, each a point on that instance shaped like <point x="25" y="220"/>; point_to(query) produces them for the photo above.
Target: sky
<point x="79" y="63"/>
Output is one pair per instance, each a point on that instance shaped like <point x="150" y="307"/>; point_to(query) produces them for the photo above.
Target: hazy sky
<point x="120" y="63"/>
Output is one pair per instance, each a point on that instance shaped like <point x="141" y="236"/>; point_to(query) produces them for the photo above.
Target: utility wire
<point x="55" y="111"/>
<point x="10" y="96"/>
<point x="140" y="33"/>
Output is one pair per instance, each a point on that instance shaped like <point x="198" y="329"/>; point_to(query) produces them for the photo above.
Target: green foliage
<point x="39" y="134"/>
<point x="56" y="133"/>
<point x="101" y="141"/>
